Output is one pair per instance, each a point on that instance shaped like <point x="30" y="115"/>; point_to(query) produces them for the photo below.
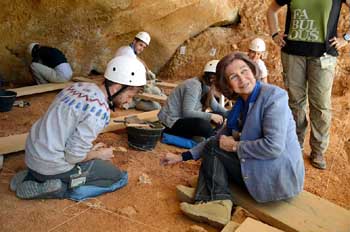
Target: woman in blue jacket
<point x="258" y="149"/>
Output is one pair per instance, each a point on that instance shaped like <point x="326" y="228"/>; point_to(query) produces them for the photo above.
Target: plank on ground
<point x="98" y="79"/>
<point x="305" y="212"/>
<point x="85" y="79"/>
<point x="149" y="116"/>
<point x="251" y="224"/>
<point x="152" y="97"/>
<point x="12" y="143"/>
<point x="34" y="89"/>
<point x="15" y="143"/>
<point x="165" y="84"/>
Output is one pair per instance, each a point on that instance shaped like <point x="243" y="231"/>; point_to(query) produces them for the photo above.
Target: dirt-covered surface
<point x="153" y="206"/>
<point x="144" y="206"/>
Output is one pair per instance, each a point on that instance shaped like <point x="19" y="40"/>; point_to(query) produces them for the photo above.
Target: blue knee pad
<point x="178" y="141"/>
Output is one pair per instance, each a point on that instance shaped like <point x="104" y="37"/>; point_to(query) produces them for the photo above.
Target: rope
<point x="99" y="206"/>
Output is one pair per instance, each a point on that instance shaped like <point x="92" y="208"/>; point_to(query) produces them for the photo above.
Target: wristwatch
<point x="346" y="37"/>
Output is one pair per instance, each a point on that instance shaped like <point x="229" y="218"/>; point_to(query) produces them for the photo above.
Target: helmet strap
<point x="133" y="47"/>
<point x="111" y="97"/>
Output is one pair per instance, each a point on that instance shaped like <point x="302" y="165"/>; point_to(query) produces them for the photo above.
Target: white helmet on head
<point x="31" y="46"/>
<point x="257" y="45"/>
<point x="211" y="66"/>
<point x="144" y="37"/>
<point x="126" y="70"/>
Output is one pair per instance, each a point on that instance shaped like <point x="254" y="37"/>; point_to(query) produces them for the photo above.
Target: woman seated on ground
<point x="258" y="149"/>
<point x="184" y="112"/>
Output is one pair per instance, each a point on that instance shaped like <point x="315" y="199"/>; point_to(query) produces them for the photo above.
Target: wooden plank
<point x="251" y="224"/>
<point x="152" y="97"/>
<point x="29" y="90"/>
<point x="15" y="143"/>
<point x="230" y="227"/>
<point x="12" y="143"/>
<point x="306" y="212"/>
<point x="100" y="78"/>
<point x="85" y="79"/>
<point x="165" y="84"/>
<point x="1" y="161"/>
<point x="35" y="89"/>
<point x="149" y="116"/>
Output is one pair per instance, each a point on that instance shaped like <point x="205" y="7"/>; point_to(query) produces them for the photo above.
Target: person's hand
<point x="170" y="158"/>
<point x="227" y="143"/>
<point x="338" y="42"/>
<point x="105" y="153"/>
<point x="217" y="119"/>
<point x="97" y="146"/>
<point x="279" y="39"/>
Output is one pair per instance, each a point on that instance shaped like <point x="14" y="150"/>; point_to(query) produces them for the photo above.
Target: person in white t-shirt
<point x="134" y="49"/>
<point x="256" y="49"/>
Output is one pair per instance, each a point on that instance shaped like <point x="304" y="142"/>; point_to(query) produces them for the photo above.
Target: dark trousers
<point x="218" y="168"/>
<point x="189" y="127"/>
<point x="98" y="173"/>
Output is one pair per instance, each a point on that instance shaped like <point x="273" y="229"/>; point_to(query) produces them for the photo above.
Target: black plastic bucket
<point x="144" y="139"/>
<point x="7" y="98"/>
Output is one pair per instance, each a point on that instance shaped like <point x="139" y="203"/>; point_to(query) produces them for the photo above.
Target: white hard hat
<point x="257" y="45"/>
<point x="31" y="46"/>
<point x="126" y="70"/>
<point x="211" y="66"/>
<point x="144" y="36"/>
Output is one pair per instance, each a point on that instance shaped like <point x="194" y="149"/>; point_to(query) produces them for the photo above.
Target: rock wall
<point x="253" y="23"/>
<point x="90" y="31"/>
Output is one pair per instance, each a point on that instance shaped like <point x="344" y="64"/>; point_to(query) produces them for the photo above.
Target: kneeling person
<point x="59" y="151"/>
<point x="49" y="64"/>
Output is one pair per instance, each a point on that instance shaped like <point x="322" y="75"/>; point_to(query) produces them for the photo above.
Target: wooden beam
<point x="12" y="143"/>
<point x="99" y="78"/>
<point x="85" y="79"/>
<point x="251" y="224"/>
<point x="230" y="227"/>
<point x="15" y="143"/>
<point x="165" y="84"/>
<point x="35" y="89"/>
<point x="148" y="116"/>
<point x="1" y="161"/>
<point x="29" y="90"/>
<point x="305" y="212"/>
<point x="152" y="97"/>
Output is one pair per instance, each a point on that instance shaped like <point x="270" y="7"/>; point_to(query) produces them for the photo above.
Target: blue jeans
<point x="98" y="173"/>
<point x="217" y="170"/>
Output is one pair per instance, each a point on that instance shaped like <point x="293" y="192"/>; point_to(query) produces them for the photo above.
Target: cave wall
<point x="90" y="31"/>
<point x="253" y="23"/>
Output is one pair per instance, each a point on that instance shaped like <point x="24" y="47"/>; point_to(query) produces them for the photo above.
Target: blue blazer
<point x="272" y="164"/>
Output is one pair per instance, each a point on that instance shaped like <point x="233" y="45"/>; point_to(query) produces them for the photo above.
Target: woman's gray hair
<point x="222" y="83"/>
